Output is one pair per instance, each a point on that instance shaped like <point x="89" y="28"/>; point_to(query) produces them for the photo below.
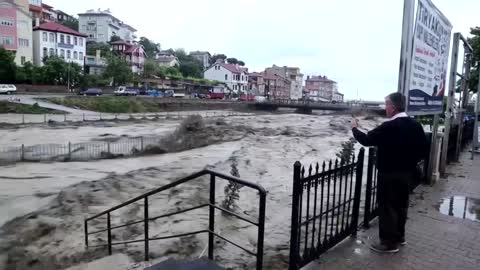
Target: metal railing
<point x="325" y="207"/>
<point x="260" y="223"/>
<point x="371" y="206"/>
<point x="21" y="119"/>
<point x="124" y="147"/>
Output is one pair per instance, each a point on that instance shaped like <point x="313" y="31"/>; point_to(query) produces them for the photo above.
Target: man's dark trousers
<point x="392" y="195"/>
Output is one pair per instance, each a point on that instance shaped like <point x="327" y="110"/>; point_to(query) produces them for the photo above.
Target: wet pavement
<point x="443" y="231"/>
<point x="460" y="207"/>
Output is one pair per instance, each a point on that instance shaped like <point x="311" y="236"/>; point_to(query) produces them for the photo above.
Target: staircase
<point x="198" y="264"/>
<point x="99" y="241"/>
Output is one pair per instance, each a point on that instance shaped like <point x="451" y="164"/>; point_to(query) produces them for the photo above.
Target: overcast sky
<point x="356" y="43"/>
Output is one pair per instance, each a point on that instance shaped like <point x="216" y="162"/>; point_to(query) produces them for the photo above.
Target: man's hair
<point x="398" y="101"/>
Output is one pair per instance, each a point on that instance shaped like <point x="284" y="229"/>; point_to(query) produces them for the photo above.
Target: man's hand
<point x="354" y="123"/>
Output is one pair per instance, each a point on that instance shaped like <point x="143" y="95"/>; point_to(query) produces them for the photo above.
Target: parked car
<point x="169" y="93"/>
<point x="7" y="89"/>
<point x="247" y="98"/>
<point x="178" y="95"/>
<point x="216" y="95"/>
<point x="125" y="91"/>
<point x="91" y="92"/>
<point x="155" y="93"/>
<point x="260" y="99"/>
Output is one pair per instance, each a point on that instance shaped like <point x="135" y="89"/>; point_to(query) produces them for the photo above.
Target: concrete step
<point x="198" y="264"/>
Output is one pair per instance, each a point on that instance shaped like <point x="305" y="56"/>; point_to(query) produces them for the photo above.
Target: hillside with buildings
<point x="105" y="50"/>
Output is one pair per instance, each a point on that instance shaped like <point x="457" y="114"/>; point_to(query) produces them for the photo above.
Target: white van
<point x="7" y="89"/>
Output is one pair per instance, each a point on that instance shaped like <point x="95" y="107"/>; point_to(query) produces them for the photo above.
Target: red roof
<point x="55" y="27"/>
<point x="234" y="68"/>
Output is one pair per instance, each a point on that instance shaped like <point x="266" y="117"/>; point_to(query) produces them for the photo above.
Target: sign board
<point x="429" y="63"/>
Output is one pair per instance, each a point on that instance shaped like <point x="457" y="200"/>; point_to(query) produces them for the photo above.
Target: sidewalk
<point x="435" y="241"/>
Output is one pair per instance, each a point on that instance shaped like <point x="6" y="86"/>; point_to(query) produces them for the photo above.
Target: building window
<point x="100" y="35"/>
<point x="62" y="53"/>
<point x="75" y="41"/>
<point x="62" y="39"/>
<point x="23" y="59"/>
<point x="242" y="77"/>
<point x="22" y="42"/>
<point x="226" y="77"/>
<point x="51" y="52"/>
<point x="69" y="41"/>
<point x="22" y="24"/>
<point x="69" y="54"/>
<point x="45" y="52"/>
<point x="51" y="38"/>
<point x="6" y="21"/>
<point x="80" y="41"/>
<point x="44" y="35"/>
<point x="75" y="55"/>
<point x="80" y="56"/>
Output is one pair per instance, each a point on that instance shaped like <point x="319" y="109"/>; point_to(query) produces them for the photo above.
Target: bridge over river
<point x="309" y="106"/>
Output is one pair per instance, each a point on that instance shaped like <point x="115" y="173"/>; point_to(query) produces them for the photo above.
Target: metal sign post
<point x="450" y="100"/>
<point x="476" y="141"/>
<point x="407" y="44"/>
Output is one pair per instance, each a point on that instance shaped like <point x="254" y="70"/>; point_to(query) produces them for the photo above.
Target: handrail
<point x="179" y="182"/>
<point x="211" y="227"/>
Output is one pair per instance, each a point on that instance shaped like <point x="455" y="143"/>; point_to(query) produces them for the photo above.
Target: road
<point x="30" y="100"/>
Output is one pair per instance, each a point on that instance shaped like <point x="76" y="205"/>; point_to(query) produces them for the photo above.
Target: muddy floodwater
<point x="43" y="205"/>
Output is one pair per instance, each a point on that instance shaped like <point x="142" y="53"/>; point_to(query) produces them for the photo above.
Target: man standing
<point x="401" y="143"/>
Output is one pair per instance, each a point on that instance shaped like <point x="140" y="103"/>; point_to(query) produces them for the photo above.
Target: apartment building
<point x="51" y="39"/>
<point x="321" y="88"/>
<point x="101" y="26"/>
<point x="132" y="52"/>
<point x="292" y="74"/>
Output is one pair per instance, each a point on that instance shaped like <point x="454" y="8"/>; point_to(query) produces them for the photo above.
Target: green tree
<point x="118" y="70"/>
<point x="72" y="24"/>
<point x="7" y="67"/>
<point x="232" y="60"/>
<point x="150" y="68"/>
<point x="215" y="57"/>
<point x="241" y="63"/>
<point x="92" y="48"/>
<point x="474" y="41"/>
<point x="189" y="66"/>
<point x="151" y="48"/>
<point x="57" y="71"/>
<point x="25" y="73"/>
<point x="115" y="38"/>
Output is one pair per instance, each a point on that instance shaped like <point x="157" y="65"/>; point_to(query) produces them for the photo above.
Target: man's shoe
<point x="402" y="242"/>
<point x="383" y="248"/>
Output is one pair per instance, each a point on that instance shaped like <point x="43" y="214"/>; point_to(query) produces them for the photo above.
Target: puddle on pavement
<point x="460" y="207"/>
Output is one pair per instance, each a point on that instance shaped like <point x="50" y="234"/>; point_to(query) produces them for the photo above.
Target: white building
<point x="203" y="57"/>
<point x="101" y="26"/>
<point x="234" y="76"/>
<point x="166" y="59"/>
<point x="55" y="39"/>
<point x="24" y="38"/>
<point x="294" y="75"/>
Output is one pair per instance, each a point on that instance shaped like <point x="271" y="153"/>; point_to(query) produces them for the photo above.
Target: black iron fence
<point x="325" y="207"/>
<point x="370" y="206"/>
<point x="148" y="219"/>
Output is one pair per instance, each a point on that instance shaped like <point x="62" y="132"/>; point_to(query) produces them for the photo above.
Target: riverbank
<point x="114" y="104"/>
<point x="11" y="107"/>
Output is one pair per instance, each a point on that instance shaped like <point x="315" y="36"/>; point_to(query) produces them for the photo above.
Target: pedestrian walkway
<point x="435" y="241"/>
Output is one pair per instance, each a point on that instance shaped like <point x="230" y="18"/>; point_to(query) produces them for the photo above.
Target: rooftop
<point x="106" y="12"/>
<point x="234" y="68"/>
<point x="55" y="27"/>
<point x="320" y="79"/>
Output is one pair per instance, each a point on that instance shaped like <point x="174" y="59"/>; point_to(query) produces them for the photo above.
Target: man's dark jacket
<point x="401" y="144"/>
